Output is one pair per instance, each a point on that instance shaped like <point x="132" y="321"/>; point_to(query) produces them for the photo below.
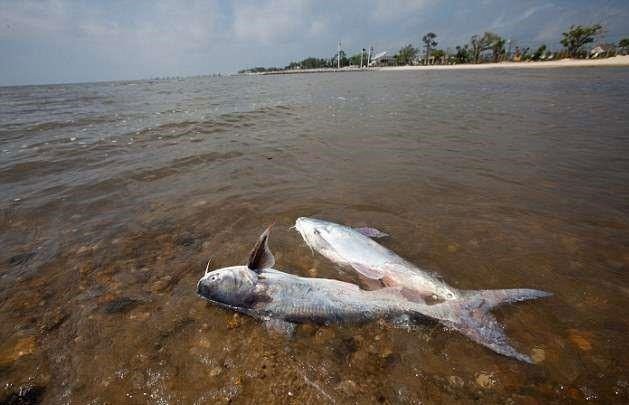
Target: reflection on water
<point x="113" y="196"/>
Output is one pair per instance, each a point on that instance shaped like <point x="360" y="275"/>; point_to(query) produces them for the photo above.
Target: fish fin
<point x="371" y="232"/>
<point x="492" y="298"/>
<point x="369" y="272"/>
<point x="473" y="319"/>
<point x="280" y="326"/>
<point x="261" y="257"/>
<point x="413" y="295"/>
<point x="369" y="284"/>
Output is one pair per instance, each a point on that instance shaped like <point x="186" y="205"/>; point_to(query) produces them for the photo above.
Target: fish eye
<point x="316" y="231"/>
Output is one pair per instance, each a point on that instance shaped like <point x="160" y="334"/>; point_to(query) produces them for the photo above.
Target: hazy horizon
<point x="65" y="41"/>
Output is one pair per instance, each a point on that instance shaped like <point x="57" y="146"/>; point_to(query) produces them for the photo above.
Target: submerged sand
<point x="113" y="198"/>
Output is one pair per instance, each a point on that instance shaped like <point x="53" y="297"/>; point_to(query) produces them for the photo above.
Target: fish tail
<point x="473" y="319"/>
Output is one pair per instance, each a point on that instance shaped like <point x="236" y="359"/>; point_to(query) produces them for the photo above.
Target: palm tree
<point x="406" y="55"/>
<point x="624" y="44"/>
<point x="476" y="47"/>
<point x="429" y="41"/>
<point x="578" y="36"/>
<point x="495" y="43"/>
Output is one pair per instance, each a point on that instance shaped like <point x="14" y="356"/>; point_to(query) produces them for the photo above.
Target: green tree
<point x="541" y="51"/>
<point x="310" y="63"/>
<point x="462" y="54"/>
<point x="430" y="43"/>
<point x="334" y="59"/>
<point x="624" y="44"/>
<point x="406" y="55"/>
<point x="496" y="44"/>
<point x="344" y="59"/>
<point x="476" y="48"/>
<point x="357" y="58"/>
<point x="579" y="36"/>
<point x="438" y="54"/>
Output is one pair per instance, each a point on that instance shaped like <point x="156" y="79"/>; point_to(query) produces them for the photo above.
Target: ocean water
<point x="114" y="195"/>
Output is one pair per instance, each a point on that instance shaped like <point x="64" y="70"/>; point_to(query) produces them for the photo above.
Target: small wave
<point x="182" y="164"/>
<point x="52" y="125"/>
<point x="221" y="123"/>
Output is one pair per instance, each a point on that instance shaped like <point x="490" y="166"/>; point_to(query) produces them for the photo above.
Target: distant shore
<point x="622" y="60"/>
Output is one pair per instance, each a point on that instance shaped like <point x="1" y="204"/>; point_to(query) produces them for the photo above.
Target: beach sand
<point x="622" y="60"/>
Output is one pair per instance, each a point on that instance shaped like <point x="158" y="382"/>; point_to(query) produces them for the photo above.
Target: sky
<point x="62" y="41"/>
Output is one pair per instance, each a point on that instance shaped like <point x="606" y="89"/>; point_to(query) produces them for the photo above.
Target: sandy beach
<point x="622" y="60"/>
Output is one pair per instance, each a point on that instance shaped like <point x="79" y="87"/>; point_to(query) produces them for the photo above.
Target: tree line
<point x="488" y="47"/>
<point x="316" y="63"/>
<point x="491" y="47"/>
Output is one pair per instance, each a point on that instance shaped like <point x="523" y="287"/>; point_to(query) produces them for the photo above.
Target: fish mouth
<point x="227" y="306"/>
<point x="304" y="235"/>
<point x="217" y="303"/>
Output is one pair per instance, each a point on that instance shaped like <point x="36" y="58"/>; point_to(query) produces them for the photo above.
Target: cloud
<point x="118" y="39"/>
<point x="187" y="23"/>
<point x="266" y="22"/>
<point x="277" y="21"/>
<point x="386" y="11"/>
<point x="28" y="18"/>
<point x="508" y="21"/>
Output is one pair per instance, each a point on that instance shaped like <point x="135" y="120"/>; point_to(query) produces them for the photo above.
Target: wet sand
<point x="113" y="197"/>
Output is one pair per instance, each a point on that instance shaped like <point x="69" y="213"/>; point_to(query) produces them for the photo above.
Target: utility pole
<point x="339" y="56"/>
<point x="361" y="58"/>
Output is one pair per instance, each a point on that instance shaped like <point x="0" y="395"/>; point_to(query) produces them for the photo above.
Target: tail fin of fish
<point x="473" y="319"/>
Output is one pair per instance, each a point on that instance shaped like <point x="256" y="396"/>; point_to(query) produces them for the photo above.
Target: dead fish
<point x="282" y="300"/>
<point x="467" y="310"/>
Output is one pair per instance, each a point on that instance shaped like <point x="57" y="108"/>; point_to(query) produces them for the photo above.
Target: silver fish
<point x="466" y="311"/>
<point x="281" y="300"/>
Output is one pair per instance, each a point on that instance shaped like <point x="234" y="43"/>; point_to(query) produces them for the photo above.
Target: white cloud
<point x="391" y="10"/>
<point x="272" y="21"/>
<point x="89" y="40"/>
<point x="188" y="24"/>
<point x="28" y="18"/>
<point x="504" y="21"/>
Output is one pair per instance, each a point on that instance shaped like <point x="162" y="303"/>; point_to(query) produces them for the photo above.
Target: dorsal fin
<point x="261" y="257"/>
<point x="371" y="232"/>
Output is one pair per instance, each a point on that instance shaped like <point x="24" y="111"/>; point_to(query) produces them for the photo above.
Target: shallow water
<point x="114" y="195"/>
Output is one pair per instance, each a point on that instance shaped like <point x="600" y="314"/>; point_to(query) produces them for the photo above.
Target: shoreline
<point x="622" y="60"/>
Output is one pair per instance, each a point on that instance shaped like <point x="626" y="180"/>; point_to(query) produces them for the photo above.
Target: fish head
<point x="231" y="286"/>
<point x="319" y="234"/>
<point x="313" y="231"/>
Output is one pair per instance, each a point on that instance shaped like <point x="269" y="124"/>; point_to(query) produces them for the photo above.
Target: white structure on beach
<point x="379" y="59"/>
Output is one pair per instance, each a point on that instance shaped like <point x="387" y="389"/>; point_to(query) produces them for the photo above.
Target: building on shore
<point x="382" y="59"/>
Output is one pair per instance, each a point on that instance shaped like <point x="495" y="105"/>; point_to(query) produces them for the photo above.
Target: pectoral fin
<point x="369" y="272"/>
<point x="261" y="257"/>
<point x="280" y="326"/>
<point x="371" y="232"/>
